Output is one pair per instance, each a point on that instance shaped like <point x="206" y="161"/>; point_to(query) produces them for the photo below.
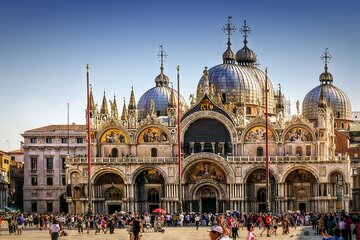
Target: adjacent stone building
<point x="45" y="152"/>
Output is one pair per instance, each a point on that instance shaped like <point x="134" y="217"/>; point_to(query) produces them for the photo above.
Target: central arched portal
<point x="205" y="185"/>
<point x="208" y="196"/>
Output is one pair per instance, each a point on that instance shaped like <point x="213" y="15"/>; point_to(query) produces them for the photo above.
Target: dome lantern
<point x="228" y="55"/>
<point x="162" y="79"/>
<point x="326" y="77"/>
<point x="245" y="56"/>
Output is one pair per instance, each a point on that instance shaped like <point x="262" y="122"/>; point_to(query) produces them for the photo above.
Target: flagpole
<point x="88" y="139"/>
<point x="267" y="145"/>
<point x="178" y="138"/>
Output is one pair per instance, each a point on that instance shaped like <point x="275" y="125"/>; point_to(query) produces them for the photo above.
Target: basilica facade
<point x="135" y="165"/>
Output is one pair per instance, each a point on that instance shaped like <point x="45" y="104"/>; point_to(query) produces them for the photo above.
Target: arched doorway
<point x="207" y="135"/>
<point x="114" y="152"/>
<point x="203" y="182"/>
<point x="299" y="189"/>
<point x="153" y="152"/>
<point x="256" y="190"/>
<point x="261" y="199"/>
<point x="259" y="152"/>
<point x="108" y="192"/>
<point x="149" y="185"/>
<point x="64" y="208"/>
<point x="153" y="197"/>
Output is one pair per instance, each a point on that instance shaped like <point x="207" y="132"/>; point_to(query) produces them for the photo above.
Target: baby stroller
<point x="158" y="227"/>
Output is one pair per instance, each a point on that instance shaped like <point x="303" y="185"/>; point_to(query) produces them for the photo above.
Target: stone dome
<point x="232" y="81"/>
<point x="337" y="99"/>
<point x="161" y="95"/>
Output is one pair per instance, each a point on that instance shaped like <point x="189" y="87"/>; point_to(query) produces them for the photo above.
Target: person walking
<point x="197" y="221"/>
<point x="54" y="230"/>
<point x="136" y="227"/>
<point x="251" y="235"/>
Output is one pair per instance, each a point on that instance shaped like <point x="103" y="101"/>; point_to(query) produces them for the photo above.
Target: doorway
<point x="113" y="208"/>
<point x="208" y="205"/>
<point x="262" y="207"/>
<point x="302" y="207"/>
<point x="64" y="208"/>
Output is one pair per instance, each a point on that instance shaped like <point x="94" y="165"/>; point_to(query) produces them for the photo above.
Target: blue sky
<point x="45" y="46"/>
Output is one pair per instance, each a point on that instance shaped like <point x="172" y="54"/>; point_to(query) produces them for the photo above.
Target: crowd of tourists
<point x="226" y="225"/>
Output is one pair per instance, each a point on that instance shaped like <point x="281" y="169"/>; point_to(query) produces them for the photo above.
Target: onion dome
<point x="245" y="56"/>
<point x="228" y="55"/>
<point x="160" y="95"/>
<point x="335" y="97"/>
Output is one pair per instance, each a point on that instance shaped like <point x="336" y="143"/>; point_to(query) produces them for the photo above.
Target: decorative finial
<point x="326" y="57"/>
<point x="178" y="68"/>
<point x="266" y="72"/>
<point x="245" y="30"/>
<point x="228" y="28"/>
<point x="87" y="67"/>
<point x="162" y="55"/>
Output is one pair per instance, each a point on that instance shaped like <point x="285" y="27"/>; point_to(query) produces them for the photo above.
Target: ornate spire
<point x="228" y="55"/>
<point x="162" y="79"/>
<point x="172" y="102"/>
<point x="326" y="77"/>
<point x="104" y="107"/>
<point x="132" y="103"/>
<point x="114" y="108"/>
<point x="245" y="56"/>
<point x="124" y="112"/>
<point x="280" y="100"/>
<point x="92" y="102"/>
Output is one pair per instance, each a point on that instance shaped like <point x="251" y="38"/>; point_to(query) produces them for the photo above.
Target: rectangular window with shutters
<point x="33" y="163"/>
<point x="49" y="163"/>
<point x="48" y="140"/>
<point x="63" y="165"/>
<point x="64" y="140"/>
<point x="32" y="140"/>
<point x="79" y="140"/>
<point x="34" y="181"/>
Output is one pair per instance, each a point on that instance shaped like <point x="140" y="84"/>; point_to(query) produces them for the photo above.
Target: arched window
<point x="338" y="114"/>
<point x="299" y="151"/>
<point x="114" y="152"/>
<point x="248" y="110"/>
<point x="153" y="152"/>
<point x="259" y="152"/>
<point x="153" y="196"/>
<point x="261" y="195"/>
<point x="342" y="125"/>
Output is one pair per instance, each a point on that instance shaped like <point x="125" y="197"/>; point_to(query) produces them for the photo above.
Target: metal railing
<point x="286" y="159"/>
<point x="229" y="158"/>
